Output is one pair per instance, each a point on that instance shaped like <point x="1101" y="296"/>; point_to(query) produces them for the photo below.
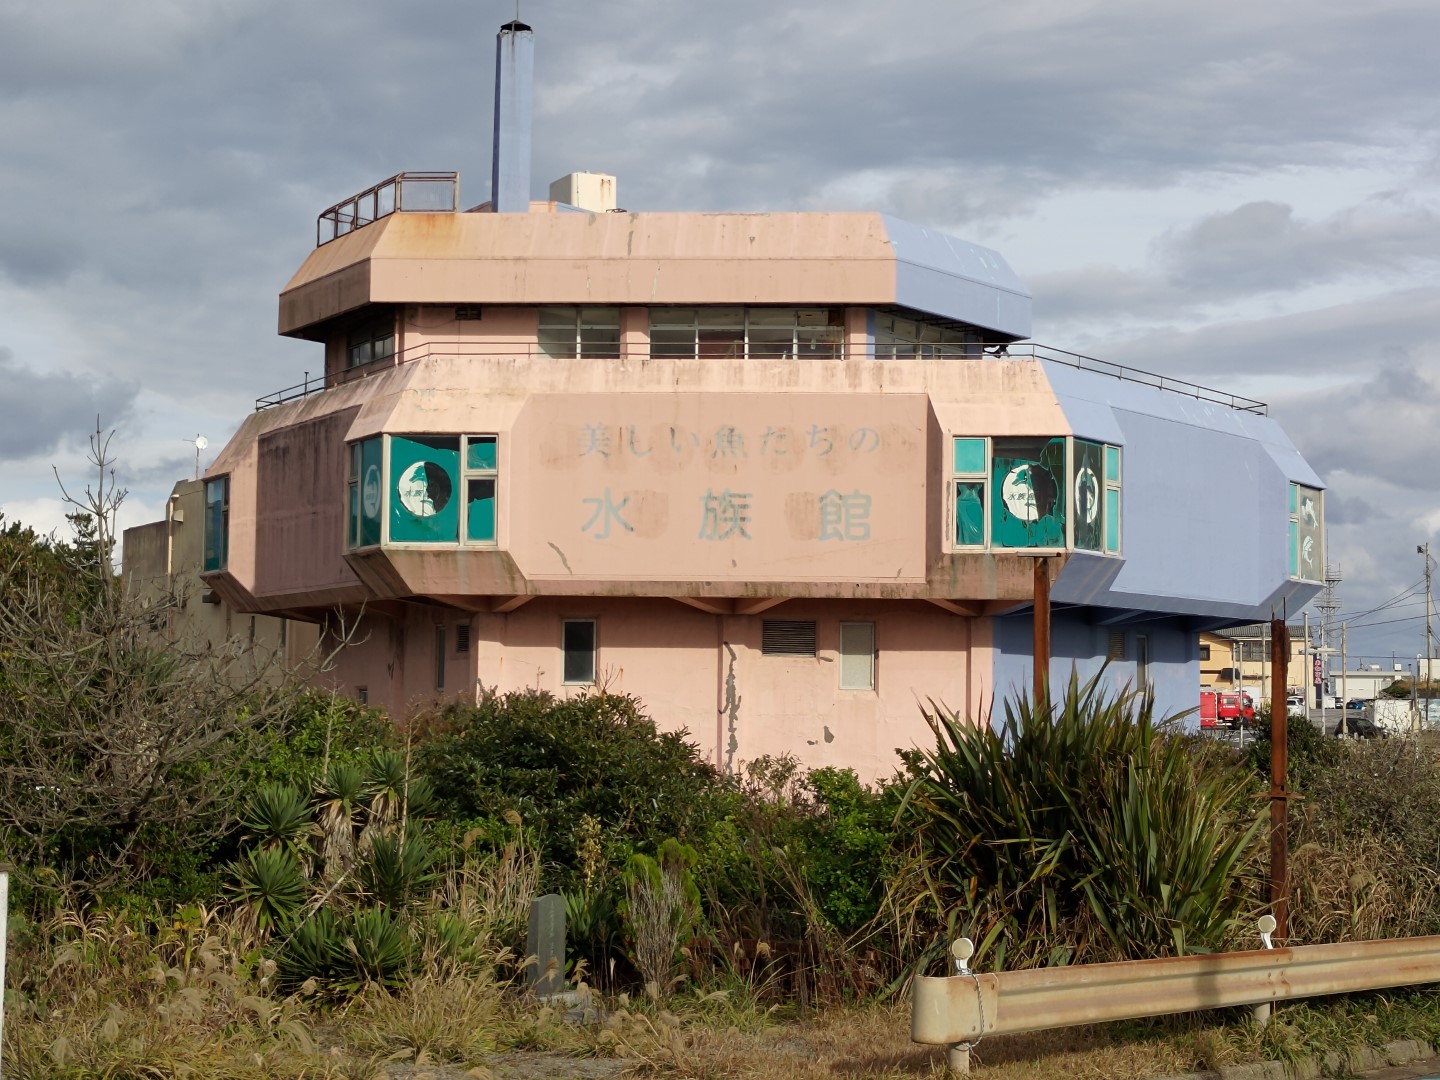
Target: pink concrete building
<point x="781" y="475"/>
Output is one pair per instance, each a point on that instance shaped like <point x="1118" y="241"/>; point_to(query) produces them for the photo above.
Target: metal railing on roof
<point x="403" y="193"/>
<point x="832" y="351"/>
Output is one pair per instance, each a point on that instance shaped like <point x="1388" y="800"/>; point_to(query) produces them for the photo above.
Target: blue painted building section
<point x="955" y="279"/>
<point x="1205" y="505"/>
<point x="1080" y="642"/>
<point x="1205" y="541"/>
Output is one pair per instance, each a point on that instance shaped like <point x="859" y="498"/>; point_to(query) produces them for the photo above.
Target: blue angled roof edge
<point x="943" y="275"/>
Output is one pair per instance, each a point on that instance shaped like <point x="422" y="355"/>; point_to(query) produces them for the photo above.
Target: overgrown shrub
<point x="555" y="761"/>
<point x="1078" y="830"/>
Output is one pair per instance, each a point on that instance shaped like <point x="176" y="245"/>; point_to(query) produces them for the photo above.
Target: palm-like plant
<point x="270" y="887"/>
<point x="340" y="796"/>
<point x="377" y="946"/>
<point x="1080" y="829"/>
<point x="278" y="816"/>
<point x="396" y="868"/>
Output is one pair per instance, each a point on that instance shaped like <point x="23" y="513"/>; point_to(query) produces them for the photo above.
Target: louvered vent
<point x="787" y="637"/>
<point x="1116" y="651"/>
<point x="462" y="638"/>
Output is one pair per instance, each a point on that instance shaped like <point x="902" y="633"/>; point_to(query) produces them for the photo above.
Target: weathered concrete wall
<point x="698" y="671"/>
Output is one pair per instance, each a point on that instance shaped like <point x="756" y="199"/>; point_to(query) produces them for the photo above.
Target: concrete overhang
<point x="655" y="258"/>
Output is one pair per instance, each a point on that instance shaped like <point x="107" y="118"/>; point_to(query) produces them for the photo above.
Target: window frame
<point x="872" y="655"/>
<point x="221" y="545"/>
<point x="565" y="651"/>
<point x="480" y="474"/>
<point x="1111" y="494"/>
<point x="1294" y="563"/>
<point x="812" y="331"/>
<point x="980" y="478"/>
<point x="578" y="347"/>
<point x="376" y="337"/>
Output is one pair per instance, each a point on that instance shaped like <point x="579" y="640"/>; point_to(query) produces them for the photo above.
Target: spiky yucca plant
<point x="1081" y="829"/>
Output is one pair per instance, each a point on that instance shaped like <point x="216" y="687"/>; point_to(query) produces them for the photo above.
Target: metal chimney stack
<point x="514" y="97"/>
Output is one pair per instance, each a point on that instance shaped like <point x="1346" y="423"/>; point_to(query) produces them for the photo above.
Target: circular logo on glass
<point x="424" y="489"/>
<point x="370" y="492"/>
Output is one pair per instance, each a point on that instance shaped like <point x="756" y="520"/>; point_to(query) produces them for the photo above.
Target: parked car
<point x="1356" y="704"/>
<point x="1361" y="727"/>
<point x="1295" y="703"/>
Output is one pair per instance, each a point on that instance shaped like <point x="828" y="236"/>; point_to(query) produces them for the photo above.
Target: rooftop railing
<point x="403" y="193"/>
<point x="884" y="353"/>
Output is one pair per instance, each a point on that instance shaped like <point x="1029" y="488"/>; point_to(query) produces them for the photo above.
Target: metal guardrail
<point x="885" y="353"/>
<point x="403" y="193"/>
<point x="959" y="1010"/>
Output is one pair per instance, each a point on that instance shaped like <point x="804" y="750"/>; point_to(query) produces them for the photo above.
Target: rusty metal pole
<point x="1279" y="770"/>
<point x="1042" y="632"/>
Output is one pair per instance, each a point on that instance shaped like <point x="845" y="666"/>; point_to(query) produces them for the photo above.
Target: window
<point x="759" y="333"/>
<point x="578" y="644"/>
<point x="857" y="656"/>
<point x="1204" y="652"/>
<point x="1307" y="533"/>
<point x="423" y="490"/>
<point x="1142" y="662"/>
<point x="217" y="523"/>
<point x="362" y="693"/>
<point x="371" y="341"/>
<point x="1112" y="500"/>
<point x="566" y="333"/>
<point x="787" y="637"/>
<point x="971" y="491"/>
<point x="900" y="338"/>
<point x="364" y="491"/>
<point x="1034" y="492"/>
<point x="481" y="479"/>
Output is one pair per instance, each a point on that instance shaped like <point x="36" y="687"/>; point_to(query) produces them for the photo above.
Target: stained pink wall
<point x="701" y="672"/>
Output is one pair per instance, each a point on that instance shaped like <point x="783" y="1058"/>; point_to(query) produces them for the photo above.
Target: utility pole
<point x="1344" y="683"/>
<point x="1424" y="550"/>
<point x="1279" y="778"/>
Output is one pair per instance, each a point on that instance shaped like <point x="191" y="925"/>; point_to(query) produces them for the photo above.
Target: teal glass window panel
<point x="370" y="489"/>
<point x="1294" y="547"/>
<point x="1112" y="521"/>
<point x="217" y="524"/>
<point x="352" y="530"/>
<point x="1309" y="540"/>
<point x="480" y="453"/>
<point x="480" y="509"/>
<point x="1028" y="492"/>
<point x="1112" y="464"/>
<point x="424" y="489"/>
<point x="970" y="513"/>
<point x="1089" y="489"/>
<point x="970" y="456"/>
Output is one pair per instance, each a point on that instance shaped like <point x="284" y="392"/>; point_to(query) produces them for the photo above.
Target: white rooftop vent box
<point x="586" y="190"/>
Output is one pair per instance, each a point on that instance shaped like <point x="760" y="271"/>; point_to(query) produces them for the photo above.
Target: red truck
<point x="1226" y="708"/>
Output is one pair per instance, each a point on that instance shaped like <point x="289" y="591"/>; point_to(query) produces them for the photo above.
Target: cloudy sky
<point x="1246" y="195"/>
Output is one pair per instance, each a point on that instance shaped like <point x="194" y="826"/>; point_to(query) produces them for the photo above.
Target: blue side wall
<point x="1205" y="504"/>
<point x="1079" y="643"/>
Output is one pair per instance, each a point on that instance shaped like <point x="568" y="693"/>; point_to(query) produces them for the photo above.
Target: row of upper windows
<point x="1004" y="493"/>
<point x="754" y="333"/>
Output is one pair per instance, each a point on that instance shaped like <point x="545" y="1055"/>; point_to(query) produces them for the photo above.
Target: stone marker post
<point x="545" y="945"/>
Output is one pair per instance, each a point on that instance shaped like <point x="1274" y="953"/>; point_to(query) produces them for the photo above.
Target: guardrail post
<point x="1266" y="925"/>
<point x="958" y="1056"/>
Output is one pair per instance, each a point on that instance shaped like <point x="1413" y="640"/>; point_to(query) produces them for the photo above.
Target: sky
<point x="1243" y="195"/>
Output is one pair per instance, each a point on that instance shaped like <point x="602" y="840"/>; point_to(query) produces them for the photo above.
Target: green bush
<point x="555" y="761"/>
<point x="1081" y="830"/>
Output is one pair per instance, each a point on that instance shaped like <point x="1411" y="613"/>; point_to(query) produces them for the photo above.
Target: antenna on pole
<point x="200" y="444"/>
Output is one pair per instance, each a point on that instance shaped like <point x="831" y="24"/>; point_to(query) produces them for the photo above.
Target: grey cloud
<point x="39" y="412"/>
<point x="1263" y="246"/>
